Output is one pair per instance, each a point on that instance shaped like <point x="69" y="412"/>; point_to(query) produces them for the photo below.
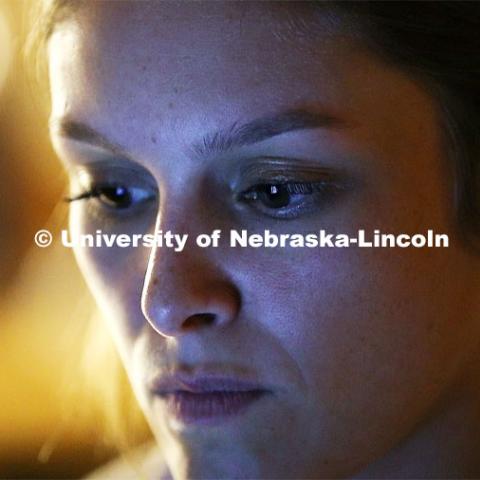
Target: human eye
<point x="114" y="195"/>
<point x="113" y="192"/>
<point x="286" y="199"/>
<point x="287" y="192"/>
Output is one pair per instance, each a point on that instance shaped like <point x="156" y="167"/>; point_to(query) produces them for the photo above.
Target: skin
<point x="369" y="352"/>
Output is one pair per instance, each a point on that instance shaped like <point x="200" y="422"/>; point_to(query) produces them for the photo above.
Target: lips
<point x="207" y="399"/>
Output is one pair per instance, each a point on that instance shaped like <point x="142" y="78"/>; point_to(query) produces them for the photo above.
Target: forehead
<point x="135" y="49"/>
<point x="176" y="71"/>
<point x="200" y="64"/>
<point x="197" y="24"/>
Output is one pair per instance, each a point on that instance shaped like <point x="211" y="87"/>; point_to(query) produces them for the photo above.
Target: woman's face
<point x="195" y="108"/>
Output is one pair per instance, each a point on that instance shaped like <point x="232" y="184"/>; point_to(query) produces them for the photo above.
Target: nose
<point x="185" y="292"/>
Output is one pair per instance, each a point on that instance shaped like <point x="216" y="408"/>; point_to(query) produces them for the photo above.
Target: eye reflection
<point x="113" y="192"/>
<point x="117" y="196"/>
<point x="276" y="196"/>
<point x="114" y="196"/>
<point x="289" y="199"/>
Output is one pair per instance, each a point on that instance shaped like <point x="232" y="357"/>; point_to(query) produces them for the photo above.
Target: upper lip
<point x="166" y="384"/>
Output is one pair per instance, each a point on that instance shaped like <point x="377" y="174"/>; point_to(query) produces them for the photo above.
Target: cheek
<point x="376" y="333"/>
<point x="114" y="275"/>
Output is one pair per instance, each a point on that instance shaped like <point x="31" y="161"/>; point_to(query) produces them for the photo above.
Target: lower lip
<point x="209" y="407"/>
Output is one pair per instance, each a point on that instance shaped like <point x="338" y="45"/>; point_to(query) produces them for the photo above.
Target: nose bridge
<point x="186" y="290"/>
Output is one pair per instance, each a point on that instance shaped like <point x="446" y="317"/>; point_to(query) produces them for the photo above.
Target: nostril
<point x="199" y="320"/>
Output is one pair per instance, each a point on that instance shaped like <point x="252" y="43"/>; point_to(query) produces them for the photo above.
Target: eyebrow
<point x="81" y="132"/>
<point x="220" y="141"/>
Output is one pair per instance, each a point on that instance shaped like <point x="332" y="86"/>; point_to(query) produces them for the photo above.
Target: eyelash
<point x="93" y="192"/>
<point x="275" y="199"/>
<point x="107" y="190"/>
<point x="304" y="188"/>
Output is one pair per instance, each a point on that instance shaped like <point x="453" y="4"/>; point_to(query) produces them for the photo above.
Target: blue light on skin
<point x="358" y="346"/>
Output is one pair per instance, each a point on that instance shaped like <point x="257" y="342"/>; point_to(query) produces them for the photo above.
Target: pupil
<point x="116" y="196"/>
<point x="277" y="196"/>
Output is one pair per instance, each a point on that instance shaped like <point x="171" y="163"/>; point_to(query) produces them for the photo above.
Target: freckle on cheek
<point x="153" y="138"/>
<point x="155" y="281"/>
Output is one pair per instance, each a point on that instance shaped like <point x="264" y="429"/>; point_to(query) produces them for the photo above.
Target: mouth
<point x="207" y="400"/>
